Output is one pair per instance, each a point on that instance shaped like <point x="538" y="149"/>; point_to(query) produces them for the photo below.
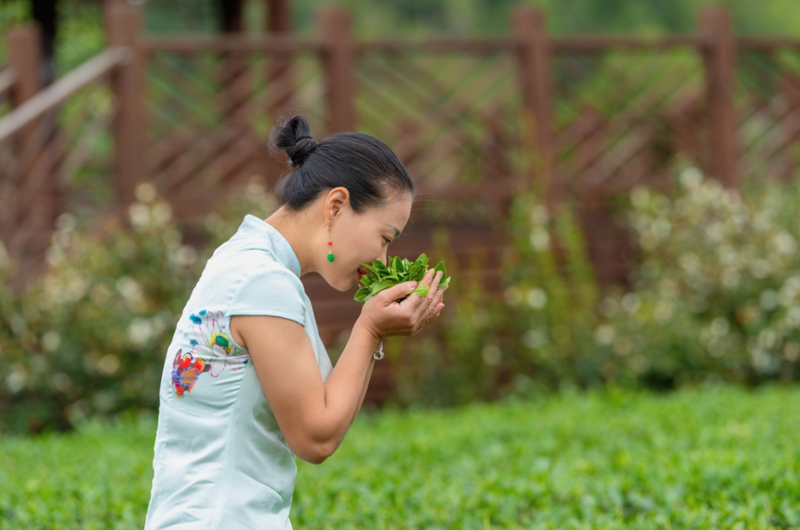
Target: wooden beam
<point x="230" y="43"/>
<point x="62" y="89"/>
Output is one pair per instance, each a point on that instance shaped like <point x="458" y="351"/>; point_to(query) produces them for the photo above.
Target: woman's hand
<point x="383" y="316"/>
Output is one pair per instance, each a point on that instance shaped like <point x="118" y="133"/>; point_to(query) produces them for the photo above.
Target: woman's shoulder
<point x="250" y="269"/>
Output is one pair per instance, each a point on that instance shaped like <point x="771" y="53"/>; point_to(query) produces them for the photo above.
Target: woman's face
<point x="363" y="238"/>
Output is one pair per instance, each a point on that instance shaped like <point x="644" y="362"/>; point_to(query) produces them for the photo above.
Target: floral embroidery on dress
<point x="185" y="370"/>
<point x="212" y="351"/>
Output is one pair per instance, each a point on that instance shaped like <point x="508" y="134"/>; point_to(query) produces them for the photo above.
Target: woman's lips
<point x="361" y="272"/>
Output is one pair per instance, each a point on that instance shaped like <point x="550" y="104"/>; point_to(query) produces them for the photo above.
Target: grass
<point x="717" y="458"/>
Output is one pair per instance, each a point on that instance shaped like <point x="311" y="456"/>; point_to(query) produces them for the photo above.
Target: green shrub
<point x="89" y="337"/>
<point x="537" y="333"/>
<point x="717" y="294"/>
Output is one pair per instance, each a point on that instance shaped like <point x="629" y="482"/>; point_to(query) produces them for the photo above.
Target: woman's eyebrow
<point x="396" y="231"/>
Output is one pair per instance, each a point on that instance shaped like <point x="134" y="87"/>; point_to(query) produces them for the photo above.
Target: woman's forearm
<point x="346" y="386"/>
<point x="364" y="389"/>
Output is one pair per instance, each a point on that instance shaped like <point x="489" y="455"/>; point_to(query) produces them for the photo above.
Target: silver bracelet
<point x="378" y="354"/>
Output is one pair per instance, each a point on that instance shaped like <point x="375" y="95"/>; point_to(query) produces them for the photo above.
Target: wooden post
<point x="128" y="84"/>
<point x="280" y="77"/>
<point x="534" y="59"/>
<point x="25" y="58"/>
<point x="235" y="75"/>
<point x="720" y="56"/>
<point x="339" y="63"/>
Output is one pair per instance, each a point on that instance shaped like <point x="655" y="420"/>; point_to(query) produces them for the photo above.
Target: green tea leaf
<point x="397" y="270"/>
<point x="422" y="290"/>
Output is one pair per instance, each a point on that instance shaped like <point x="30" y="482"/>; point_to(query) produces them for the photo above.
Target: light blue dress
<point x="220" y="461"/>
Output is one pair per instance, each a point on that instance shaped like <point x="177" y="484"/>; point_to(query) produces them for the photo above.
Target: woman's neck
<point x="296" y="228"/>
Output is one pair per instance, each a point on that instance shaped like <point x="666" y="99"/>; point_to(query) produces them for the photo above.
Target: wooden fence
<point x="475" y="120"/>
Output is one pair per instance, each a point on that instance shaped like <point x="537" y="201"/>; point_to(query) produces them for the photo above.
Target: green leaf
<point x="396" y="270"/>
<point x="440" y="267"/>
<point x="380" y="286"/>
<point x="422" y="290"/>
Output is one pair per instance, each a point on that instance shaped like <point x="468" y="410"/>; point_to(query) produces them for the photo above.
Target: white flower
<point x="536" y="298"/>
<point x="130" y="290"/>
<point x="691" y="177"/>
<point x="533" y="338"/>
<point x="791" y="351"/>
<point x="604" y="334"/>
<point x="720" y="327"/>
<point x="491" y="354"/>
<point x="631" y="302"/>
<point x="145" y="192"/>
<point x="51" y="340"/>
<point x="540" y="239"/>
<point x="140" y="216"/>
<point x="769" y="299"/>
<point x="161" y="214"/>
<point x="662" y="227"/>
<point x="785" y="243"/>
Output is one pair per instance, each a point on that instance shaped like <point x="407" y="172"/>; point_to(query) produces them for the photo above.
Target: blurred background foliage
<point x="89" y="337"/>
<point x="713" y="296"/>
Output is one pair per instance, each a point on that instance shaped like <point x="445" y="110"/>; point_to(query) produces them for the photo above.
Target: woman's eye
<point x="387" y="240"/>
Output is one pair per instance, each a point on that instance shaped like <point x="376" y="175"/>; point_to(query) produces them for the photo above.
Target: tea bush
<point x="716" y="458"/>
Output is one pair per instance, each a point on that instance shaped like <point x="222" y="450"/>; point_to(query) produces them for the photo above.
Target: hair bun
<point x="294" y="137"/>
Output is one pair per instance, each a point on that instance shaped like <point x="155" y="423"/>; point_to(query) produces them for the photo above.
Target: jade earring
<point x="330" y="253"/>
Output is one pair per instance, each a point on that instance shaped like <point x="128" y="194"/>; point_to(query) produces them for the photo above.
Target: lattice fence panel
<point x="453" y="118"/>
<point x="623" y="117"/>
<point x="211" y="113"/>
<point x="767" y="102"/>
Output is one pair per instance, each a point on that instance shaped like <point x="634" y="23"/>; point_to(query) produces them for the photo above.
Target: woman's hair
<point x="359" y="162"/>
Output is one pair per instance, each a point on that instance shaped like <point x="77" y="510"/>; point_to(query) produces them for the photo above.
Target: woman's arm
<point x="314" y="416"/>
<point x="364" y="390"/>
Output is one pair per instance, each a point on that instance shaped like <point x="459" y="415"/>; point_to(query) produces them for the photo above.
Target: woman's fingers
<point x="398" y="291"/>
<point x="429" y="303"/>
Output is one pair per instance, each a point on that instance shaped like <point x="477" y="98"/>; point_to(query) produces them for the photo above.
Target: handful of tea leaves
<point x="397" y="271"/>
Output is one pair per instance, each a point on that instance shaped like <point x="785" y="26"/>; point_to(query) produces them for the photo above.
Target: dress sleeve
<point x="272" y="291"/>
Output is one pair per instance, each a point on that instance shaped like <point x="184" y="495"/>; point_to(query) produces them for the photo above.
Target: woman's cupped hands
<point x="394" y="312"/>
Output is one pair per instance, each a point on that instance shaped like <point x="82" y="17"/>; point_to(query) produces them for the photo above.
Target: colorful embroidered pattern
<point x="212" y="351"/>
<point x="185" y="370"/>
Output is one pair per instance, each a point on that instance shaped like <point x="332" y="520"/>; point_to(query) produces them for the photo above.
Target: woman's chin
<point x="343" y="285"/>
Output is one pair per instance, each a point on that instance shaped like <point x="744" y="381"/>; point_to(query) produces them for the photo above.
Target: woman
<point x="247" y="384"/>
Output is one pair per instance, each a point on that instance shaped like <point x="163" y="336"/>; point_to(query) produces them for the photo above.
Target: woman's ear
<point x="336" y="200"/>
